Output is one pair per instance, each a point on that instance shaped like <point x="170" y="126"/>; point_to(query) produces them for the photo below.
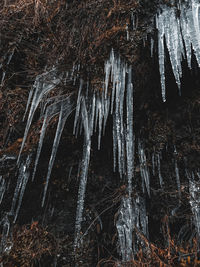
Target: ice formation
<point x="194" y="188"/>
<point x="92" y="114"/>
<point x="43" y="84"/>
<point x="5" y="223"/>
<point x="2" y="188"/>
<point x="132" y="216"/>
<point x="22" y="180"/>
<point x="180" y="34"/>
<point x="144" y="170"/>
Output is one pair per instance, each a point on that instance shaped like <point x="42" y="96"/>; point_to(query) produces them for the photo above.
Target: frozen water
<point x="84" y="172"/>
<point x="43" y="84"/>
<point x="177" y="178"/>
<point x="194" y="189"/>
<point x="130" y="139"/>
<point x="158" y="156"/>
<point x="144" y="171"/>
<point x="125" y="227"/>
<point x="5" y="223"/>
<point x="180" y="34"/>
<point x="20" y="187"/>
<point x="131" y="216"/>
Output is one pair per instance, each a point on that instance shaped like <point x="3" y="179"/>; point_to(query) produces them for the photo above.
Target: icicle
<point x="159" y="171"/>
<point x="177" y="178"/>
<point x="107" y="75"/>
<point x="78" y="106"/>
<point x="84" y="172"/>
<point x="28" y="102"/>
<point x="100" y="115"/>
<point x="153" y="163"/>
<point x="43" y="84"/>
<point x="5" y="232"/>
<point x="20" y="186"/>
<point x="143" y="166"/>
<point x="161" y="54"/>
<point x="130" y="136"/>
<point x="194" y="188"/>
<point x="152" y="46"/>
<point x="2" y="188"/>
<point x="180" y="34"/>
<point x="127" y="33"/>
<point x="3" y="77"/>
<point x="125" y="226"/>
<point x="133" y="20"/>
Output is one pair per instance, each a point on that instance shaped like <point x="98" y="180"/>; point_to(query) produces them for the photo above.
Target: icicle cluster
<point x="43" y="84"/>
<point x="93" y="111"/>
<point x="179" y="33"/>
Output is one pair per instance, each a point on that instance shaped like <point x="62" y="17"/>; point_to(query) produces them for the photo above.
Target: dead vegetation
<point x="31" y="245"/>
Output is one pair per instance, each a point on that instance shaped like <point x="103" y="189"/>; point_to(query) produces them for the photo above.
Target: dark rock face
<point x="84" y="32"/>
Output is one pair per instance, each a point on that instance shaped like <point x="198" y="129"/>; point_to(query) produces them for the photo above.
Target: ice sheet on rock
<point x="43" y="84"/>
<point x="194" y="189"/>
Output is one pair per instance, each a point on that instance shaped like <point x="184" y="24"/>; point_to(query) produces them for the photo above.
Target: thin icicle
<point x="159" y="170"/>
<point x="130" y="136"/>
<point x="152" y="46"/>
<point x="2" y="188"/>
<point x="161" y="55"/>
<point x="153" y="163"/>
<point x="177" y="178"/>
<point x="78" y="106"/>
<point x="28" y="103"/>
<point x="144" y="171"/>
<point x="84" y="172"/>
<point x="20" y="187"/>
<point x="5" y="232"/>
